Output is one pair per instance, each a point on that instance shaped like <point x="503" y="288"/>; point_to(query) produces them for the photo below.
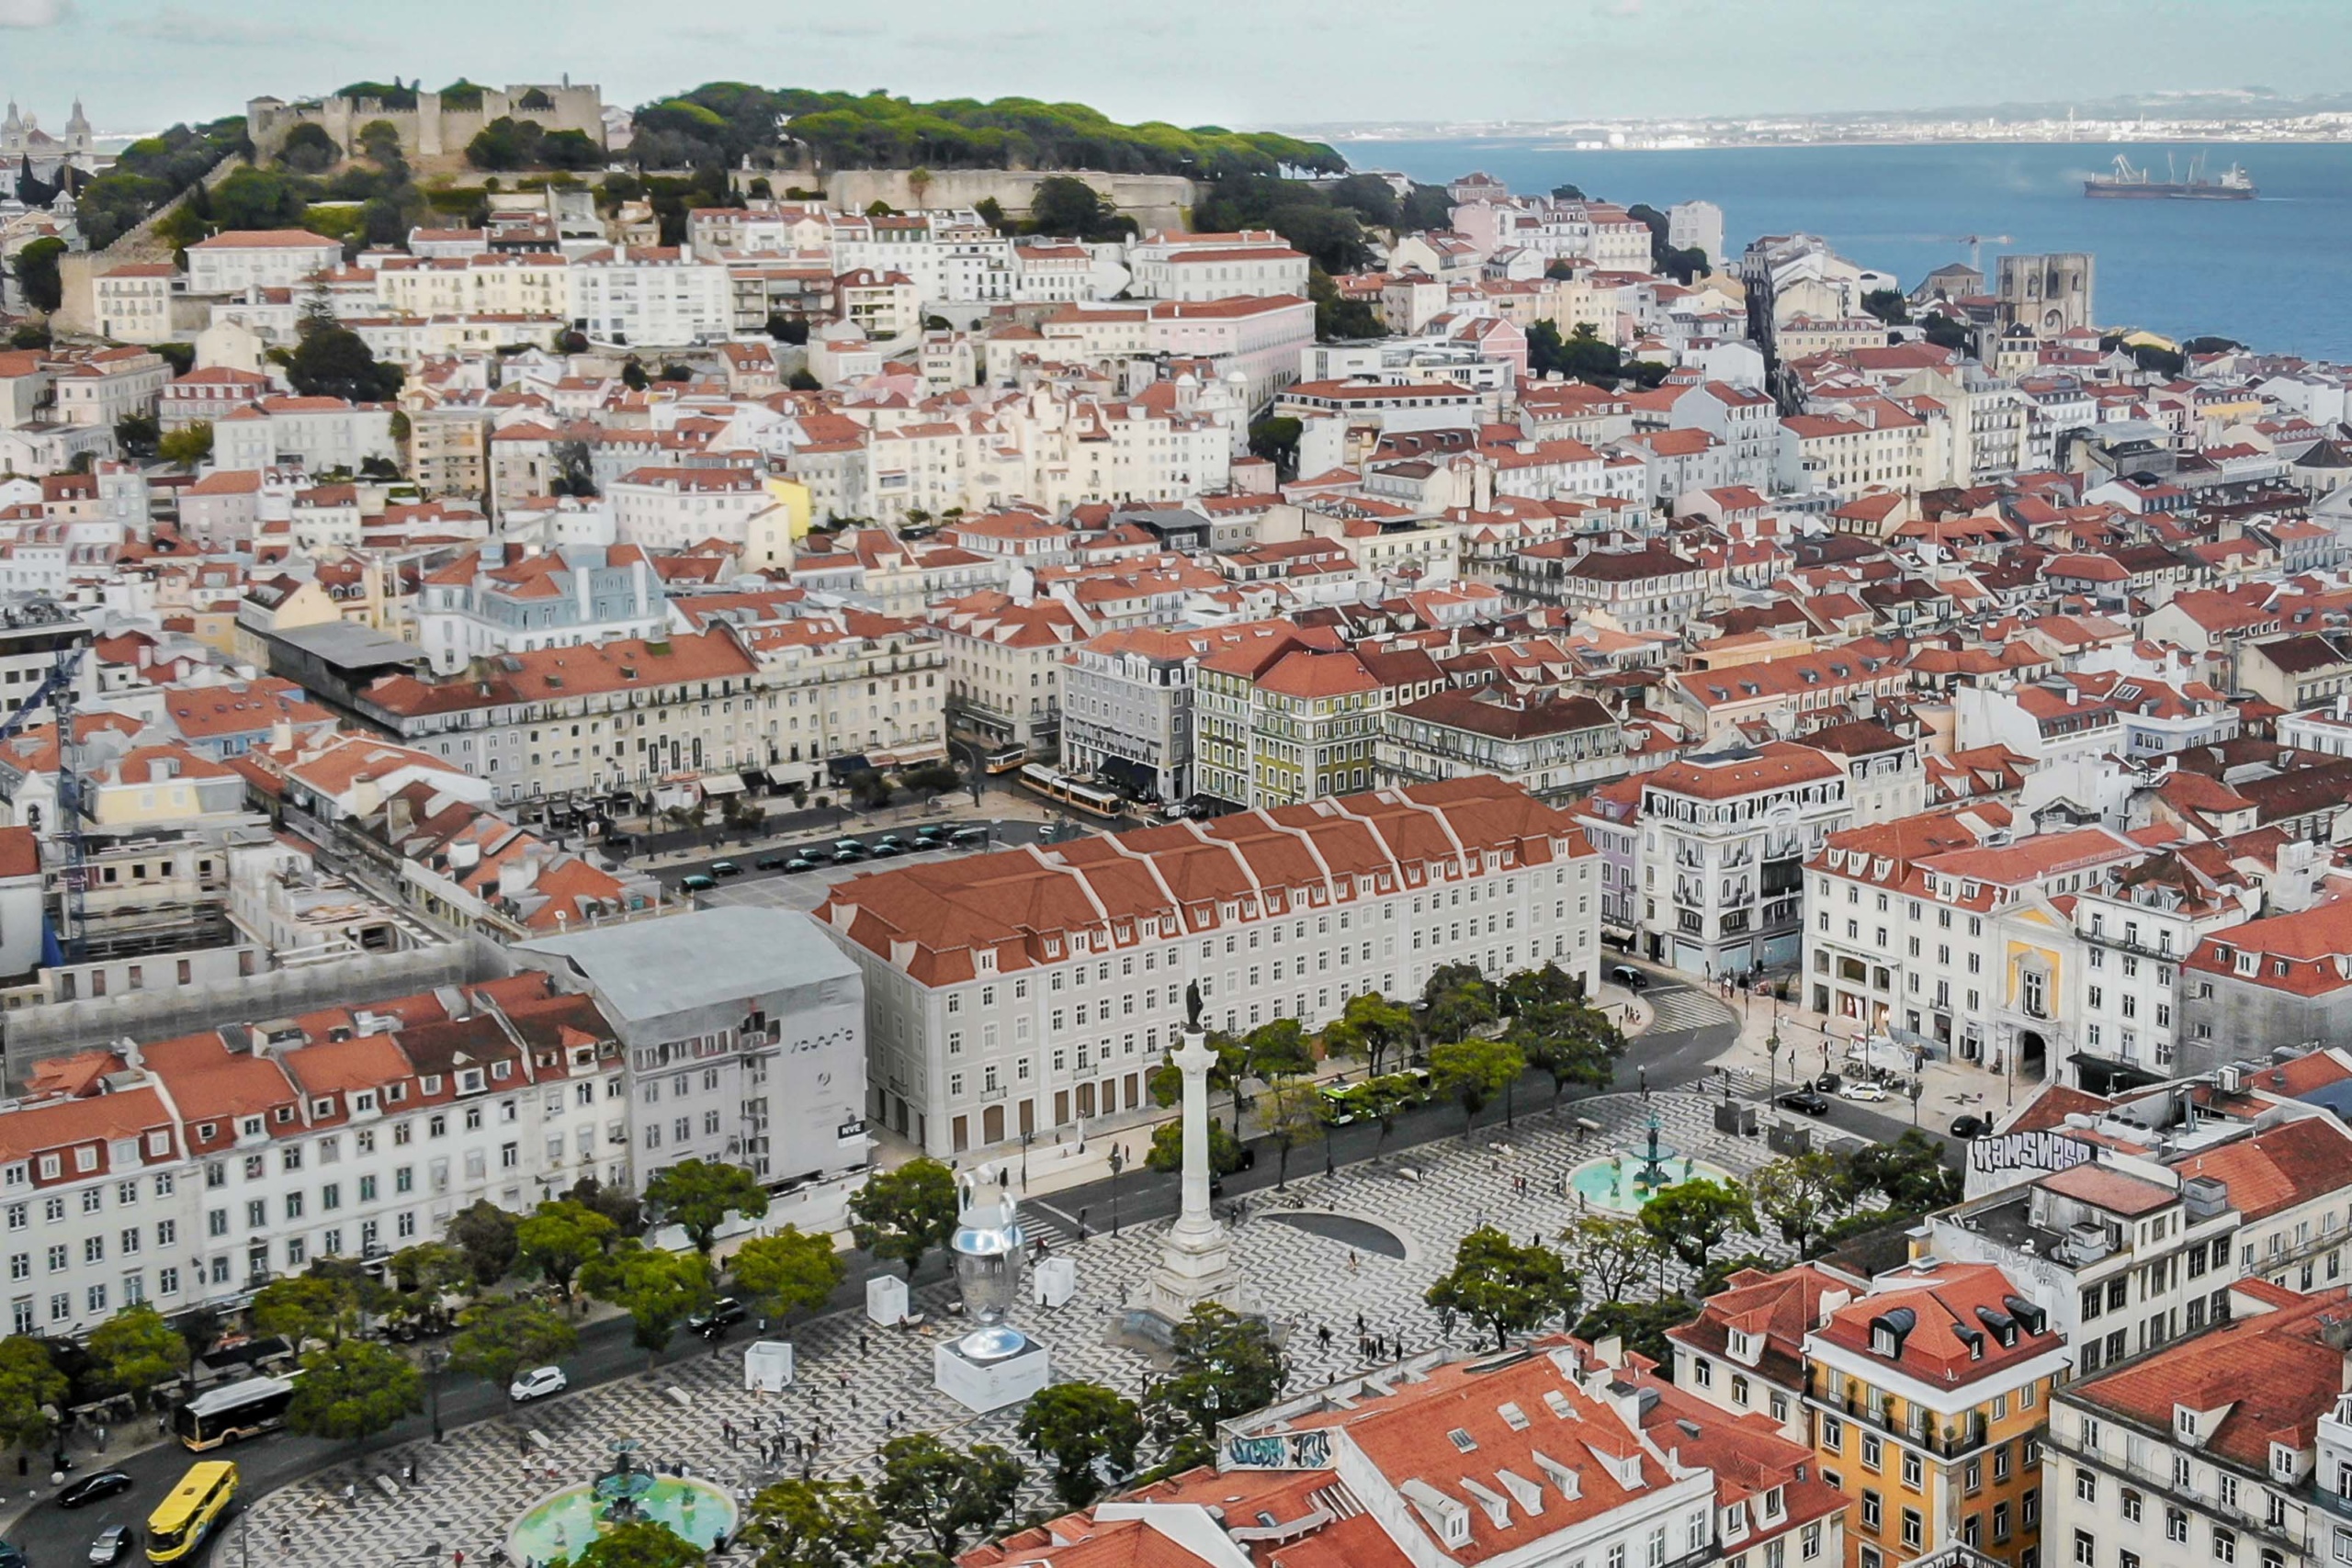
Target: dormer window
<point x="1888" y="1332"/>
<point x="2183" y="1423"/>
<point x="250" y="1127"/>
<point x="432" y="1083"/>
<point x="364" y="1101"/>
<point x="323" y="1107"/>
<point x="15" y="1175"/>
<point x="469" y="1081"/>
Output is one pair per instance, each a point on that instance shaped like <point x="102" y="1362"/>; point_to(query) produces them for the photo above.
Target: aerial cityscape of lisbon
<point x="1562" y="788"/>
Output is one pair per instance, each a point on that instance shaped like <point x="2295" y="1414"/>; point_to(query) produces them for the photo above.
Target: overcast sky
<point x="1242" y="63"/>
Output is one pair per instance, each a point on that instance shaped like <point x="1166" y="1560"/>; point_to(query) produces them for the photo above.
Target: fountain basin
<point x="562" y="1524"/>
<point x="1616" y="1184"/>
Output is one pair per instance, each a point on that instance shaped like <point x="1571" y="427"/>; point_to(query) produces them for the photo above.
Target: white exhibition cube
<point x="885" y="1300"/>
<point x="1057" y="1280"/>
<point x="767" y="1365"/>
<point x="990" y="1367"/>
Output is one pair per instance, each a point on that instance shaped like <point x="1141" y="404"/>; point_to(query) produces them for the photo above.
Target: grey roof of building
<point x="646" y="969"/>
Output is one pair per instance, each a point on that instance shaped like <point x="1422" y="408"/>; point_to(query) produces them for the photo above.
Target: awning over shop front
<point x="722" y="784"/>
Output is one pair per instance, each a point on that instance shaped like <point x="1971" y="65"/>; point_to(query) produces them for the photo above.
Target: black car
<point x="847" y="857"/>
<point x="798" y="863"/>
<point x="93" y="1488"/>
<point x="1969" y="1126"/>
<point x="619" y="844"/>
<point x="725" y="868"/>
<point x="928" y="835"/>
<point x="769" y="863"/>
<point x="1807" y="1101"/>
<point x="724" y="1314"/>
<point x="1625" y="975"/>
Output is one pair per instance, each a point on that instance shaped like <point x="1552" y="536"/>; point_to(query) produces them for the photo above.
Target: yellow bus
<point x="181" y="1522"/>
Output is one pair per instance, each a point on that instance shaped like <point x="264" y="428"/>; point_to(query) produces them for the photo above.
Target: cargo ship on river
<point x="2128" y="184"/>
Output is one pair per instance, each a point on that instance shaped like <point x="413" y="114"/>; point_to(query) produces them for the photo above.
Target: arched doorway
<point x="2033" y="1055"/>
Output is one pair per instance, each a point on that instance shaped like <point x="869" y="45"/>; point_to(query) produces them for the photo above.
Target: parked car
<point x="964" y="838"/>
<point x="537" y="1383"/>
<point x="724" y="1314"/>
<point x="1971" y="1125"/>
<point x="619" y="844"/>
<point x="1625" y="975"/>
<point x="94" y="1487"/>
<point x="847" y="857"/>
<point x="725" y="868"/>
<point x="848" y="847"/>
<point x="890" y="841"/>
<point x="112" y="1542"/>
<point x="1863" y="1088"/>
<point x="768" y="862"/>
<point x="1828" y="1083"/>
<point x="800" y="863"/>
<point x="927" y="837"/>
<point x="885" y="849"/>
<point x="695" y="882"/>
<point x="1811" y="1103"/>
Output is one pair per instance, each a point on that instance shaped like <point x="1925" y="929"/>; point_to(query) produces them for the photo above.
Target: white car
<point x="537" y="1383"/>
<point x="1863" y="1088"/>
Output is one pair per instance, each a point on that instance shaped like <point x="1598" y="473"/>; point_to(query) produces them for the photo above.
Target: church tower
<point x="12" y="131"/>
<point x="77" y="131"/>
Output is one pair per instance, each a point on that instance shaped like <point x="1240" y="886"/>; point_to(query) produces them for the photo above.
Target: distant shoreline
<point x="1539" y="143"/>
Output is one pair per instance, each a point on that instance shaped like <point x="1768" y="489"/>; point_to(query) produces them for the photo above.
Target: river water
<point x="2271" y="272"/>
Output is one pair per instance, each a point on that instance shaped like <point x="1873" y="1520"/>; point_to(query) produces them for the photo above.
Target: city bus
<point x="182" y="1522"/>
<point x="244" y="1409"/>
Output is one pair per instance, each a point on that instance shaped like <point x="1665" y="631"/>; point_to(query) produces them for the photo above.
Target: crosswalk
<point x="1683" y="1007"/>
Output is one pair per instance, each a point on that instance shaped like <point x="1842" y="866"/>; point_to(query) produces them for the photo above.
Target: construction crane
<point x="56" y="694"/>
<point x="1976" y="243"/>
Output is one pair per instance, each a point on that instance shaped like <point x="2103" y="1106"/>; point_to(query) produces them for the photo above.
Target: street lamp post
<point x="1772" y="1049"/>
<point x="435" y="1359"/>
<point x="1027" y="1138"/>
<point x="1118" y="1164"/>
<point x="1918" y="1086"/>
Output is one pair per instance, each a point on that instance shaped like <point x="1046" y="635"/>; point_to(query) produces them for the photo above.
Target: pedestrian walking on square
<point x="863" y="1348"/>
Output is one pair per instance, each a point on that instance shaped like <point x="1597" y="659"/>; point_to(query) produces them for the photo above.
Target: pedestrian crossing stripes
<point x="1685" y="1007"/>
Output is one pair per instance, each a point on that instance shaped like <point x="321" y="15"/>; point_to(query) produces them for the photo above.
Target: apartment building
<point x="1029" y="990"/>
<point x="603" y="717"/>
<point x="2129" y="1252"/>
<point x="499" y="600"/>
<point x="1929" y="1396"/>
<point x="744" y="1034"/>
<point x="1745" y="1351"/>
<point x="244" y="259"/>
<point x="1949" y="929"/>
<point x="1127" y="702"/>
<point x="2208" y="1452"/>
<point x="1556" y="747"/>
<point x="1215" y="267"/>
<point x="1298" y="719"/>
<point x="1726" y="836"/>
<point x="191" y="1171"/>
<point x="651" y="296"/>
<point x="1005" y="663"/>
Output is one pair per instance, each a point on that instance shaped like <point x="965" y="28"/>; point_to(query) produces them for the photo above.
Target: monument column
<point x="1196" y="1261"/>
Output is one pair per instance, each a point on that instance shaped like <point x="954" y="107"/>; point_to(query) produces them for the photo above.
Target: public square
<point x="857" y="1382"/>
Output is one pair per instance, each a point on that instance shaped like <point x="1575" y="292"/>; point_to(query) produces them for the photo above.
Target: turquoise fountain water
<point x="1622" y="1183"/>
<point x="562" y="1523"/>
